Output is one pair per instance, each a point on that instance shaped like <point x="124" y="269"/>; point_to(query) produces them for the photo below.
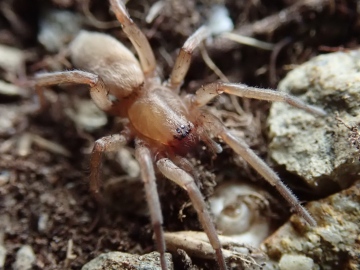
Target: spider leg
<point x="98" y="91"/>
<point x="143" y="156"/>
<point x="105" y="144"/>
<point x="209" y="91"/>
<point x="185" y="164"/>
<point x="137" y="38"/>
<point x="183" y="60"/>
<point x="242" y="149"/>
<point x="183" y="179"/>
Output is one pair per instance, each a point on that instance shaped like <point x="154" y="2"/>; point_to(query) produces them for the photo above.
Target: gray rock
<point x="125" y="261"/>
<point x="317" y="148"/>
<point x="333" y="244"/>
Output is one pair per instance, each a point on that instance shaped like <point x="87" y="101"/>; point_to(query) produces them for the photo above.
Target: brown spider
<point x="163" y="125"/>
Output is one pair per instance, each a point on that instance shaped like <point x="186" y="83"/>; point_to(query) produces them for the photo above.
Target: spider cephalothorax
<point x="163" y="124"/>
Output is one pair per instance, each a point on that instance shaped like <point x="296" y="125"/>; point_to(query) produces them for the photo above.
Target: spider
<point x="163" y="125"/>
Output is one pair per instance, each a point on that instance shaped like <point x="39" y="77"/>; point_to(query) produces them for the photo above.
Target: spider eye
<point x="183" y="131"/>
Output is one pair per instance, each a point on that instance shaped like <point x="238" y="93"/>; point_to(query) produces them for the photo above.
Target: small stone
<point x="25" y="258"/>
<point x="9" y="89"/>
<point x="2" y="256"/>
<point x="11" y="59"/>
<point x="57" y="28"/>
<point x="43" y="222"/>
<point x="4" y="177"/>
<point x="125" y="261"/>
<point x="9" y="120"/>
<point x="87" y="115"/>
<point x="295" y="262"/>
<point x="128" y="162"/>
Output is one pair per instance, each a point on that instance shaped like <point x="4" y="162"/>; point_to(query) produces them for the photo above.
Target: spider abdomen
<point x="105" y="56"/>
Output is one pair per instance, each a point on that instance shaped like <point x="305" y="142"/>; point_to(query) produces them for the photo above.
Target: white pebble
<point x="295" y="262"/>
<point x="25" y="258"/>
<point x="2" y="256"/>
<point x="219" y="21"/>
<point x="57" y="28"/>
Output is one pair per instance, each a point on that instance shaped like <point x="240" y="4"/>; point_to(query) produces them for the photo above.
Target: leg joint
<point x="99" y="146"/>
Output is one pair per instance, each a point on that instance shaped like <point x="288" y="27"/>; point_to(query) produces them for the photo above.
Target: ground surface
<point x="44" y="197"/>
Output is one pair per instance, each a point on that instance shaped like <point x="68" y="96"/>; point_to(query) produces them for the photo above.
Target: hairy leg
<point x="143" y="156"/>
<point x="183" y="179"/>
<point x="105" y="144"/>
<point x="98" y="91"/>
<point x="241" y="148"/>
<point x="137" y="38"/>
<point x="209" y="91"/>
<point x="183" y="60"/>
